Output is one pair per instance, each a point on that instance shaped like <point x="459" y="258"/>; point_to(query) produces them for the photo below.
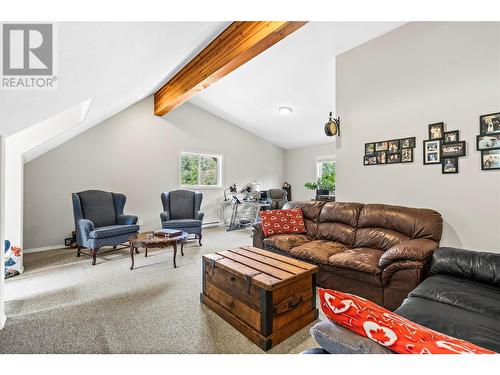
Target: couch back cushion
<point x="311" y="211"/>
<point x="98" y="206"/>
<point x="337" y="222"/>
<point x="383" y="226"/>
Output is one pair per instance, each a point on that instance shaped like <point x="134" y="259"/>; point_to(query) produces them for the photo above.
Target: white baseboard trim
<point x="3" y="318"/>
<point x="45" y="248"/>
<point x="211" y="224"/>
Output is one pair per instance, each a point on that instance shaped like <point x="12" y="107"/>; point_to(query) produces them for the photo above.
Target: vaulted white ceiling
<point x="113" y="63"/>
<point x="298" y="72"/>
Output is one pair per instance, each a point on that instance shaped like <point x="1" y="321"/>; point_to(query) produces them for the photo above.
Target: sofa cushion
<point x="336" y="339"/>
<point x="475" y="265"/>
<point x="311" y="211"/>
<point x="337" y="222"/>
<point x="318" y="251"/>
<point x="113" y="230"/>
<point x="479" y="329"/>
<point x="181" y="204"/>
<point x="360" y="259"/>
<point x="285" y="242"/>
<point x="284" y="221"/>
<point x="399" y="334"/>
<point x="412" y="222"/>
<point x="182" y="223"/>
<point x="463" y="293"/>
<point x="378" y="238"/>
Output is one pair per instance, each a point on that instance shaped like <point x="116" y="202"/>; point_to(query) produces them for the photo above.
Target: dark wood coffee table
<point x="146" y="240"/>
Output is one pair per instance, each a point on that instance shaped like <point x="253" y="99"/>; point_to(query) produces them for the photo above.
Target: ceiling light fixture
<point x="285" y="110"/>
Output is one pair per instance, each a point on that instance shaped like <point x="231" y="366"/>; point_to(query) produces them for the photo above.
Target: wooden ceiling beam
<point x="238" y="43"/>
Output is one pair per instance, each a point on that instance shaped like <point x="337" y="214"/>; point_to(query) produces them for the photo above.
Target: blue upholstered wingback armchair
<point x="181" y="210"/>
<point x="99" y="220"/>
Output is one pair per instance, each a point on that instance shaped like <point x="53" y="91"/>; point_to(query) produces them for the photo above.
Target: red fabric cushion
<point x="388" y="329"/>
<point x="282" y="221"/>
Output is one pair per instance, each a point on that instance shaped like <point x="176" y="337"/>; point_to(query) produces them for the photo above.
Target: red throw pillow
<point x="282" y="221"/>
<point x="388" y="329"/>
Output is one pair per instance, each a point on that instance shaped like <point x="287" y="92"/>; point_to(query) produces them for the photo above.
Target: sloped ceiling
<point x="297" y="72"/>
<point x="115" y="64"/>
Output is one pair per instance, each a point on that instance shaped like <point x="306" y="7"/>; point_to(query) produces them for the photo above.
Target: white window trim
<point x="321" y="159"/>
<point x="220" y="164"/>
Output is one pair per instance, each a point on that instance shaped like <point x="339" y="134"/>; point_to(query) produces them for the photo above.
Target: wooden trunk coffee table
<point x="266" y="296"/>
<point x="147" y="240"/>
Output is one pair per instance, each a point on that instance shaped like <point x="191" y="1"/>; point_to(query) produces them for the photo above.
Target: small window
<point x="325" y="170"/>
<point x="200" y="170"/>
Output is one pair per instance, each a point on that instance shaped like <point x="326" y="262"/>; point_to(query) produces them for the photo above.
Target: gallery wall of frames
<point x="442" y="147"/>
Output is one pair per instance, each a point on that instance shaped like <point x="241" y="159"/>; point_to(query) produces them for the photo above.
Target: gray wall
<point x="397" y="84"/>
<point x="301" y="168"/>
<point x="137" y="153"/>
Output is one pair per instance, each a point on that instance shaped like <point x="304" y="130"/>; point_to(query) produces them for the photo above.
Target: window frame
<point x="322" y="159"/>
<point x="220" y="160"/>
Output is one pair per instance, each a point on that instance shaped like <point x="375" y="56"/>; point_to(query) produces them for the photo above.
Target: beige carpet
<point x="63" y="304"/>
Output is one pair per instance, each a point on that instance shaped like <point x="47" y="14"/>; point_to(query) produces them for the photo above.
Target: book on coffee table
<point x="167" y="232"/>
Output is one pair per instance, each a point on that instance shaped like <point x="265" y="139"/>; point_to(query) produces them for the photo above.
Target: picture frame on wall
<point x="451" y="150"/>
<point x="490" y="159"/>
<point x="489" y="124"/>
<point x="381" y="146"/>
<point x="436" y="131"/>
<point x="488" y="142"/>
<point x="451" y="136"/>
<point x="369" y="160"/>
<point x="393" y="146"/>
<point x="381" y="157"/>
<point x="407" y="142"/>
<point x="432" y="154"/>
<point x="393" y="158"/>
<point x="407" y="155"/>
<point x="370" y="149"/>
<point x="449" y="165"/>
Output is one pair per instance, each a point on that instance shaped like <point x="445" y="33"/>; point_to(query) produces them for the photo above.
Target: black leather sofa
<point x="461" y="298"/>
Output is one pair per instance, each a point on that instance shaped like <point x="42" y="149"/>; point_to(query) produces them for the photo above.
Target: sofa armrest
<point x="85" y="226"/>
<point x="126" y="219"/>
<point x="165" y="216"/>
<point x="258" y="235"/>
<point x="413" y="250"/>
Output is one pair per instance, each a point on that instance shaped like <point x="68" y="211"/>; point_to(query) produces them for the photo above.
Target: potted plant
<point x="323" y="184"/>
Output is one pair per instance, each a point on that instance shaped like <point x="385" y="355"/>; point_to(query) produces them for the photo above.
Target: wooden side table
<point x="147" y="240"/>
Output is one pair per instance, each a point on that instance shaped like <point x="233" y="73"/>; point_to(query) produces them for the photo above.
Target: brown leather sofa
<point x="379" y="252"/>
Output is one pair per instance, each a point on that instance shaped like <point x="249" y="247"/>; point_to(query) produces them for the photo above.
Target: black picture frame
<point x="437" y="152"/>
<point x="408" y="142"/>
<point x="378" y="145"/>
<point x="445" y="162"/>
<point x="393" y="142"/>
<point x="366" y="157"/>
<point x="439" y="125"/>
<point x="448" y="135"/>
<point x="496" y="165"/>
<point x="405" y="150"/>
<point x="378" y="155"/>
<point x="454" y="155"/>
<point x="393" y="158"/>
<point x="484" y="124"/>
<point x="373" y="149"/>
<point x="494" y="147"/>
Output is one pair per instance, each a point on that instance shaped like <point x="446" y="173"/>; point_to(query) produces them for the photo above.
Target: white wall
<point x="301" y="167"/>
<point x="137" y="153"/>
<point x="397" y="84"/>
<point x="2" y="223"/>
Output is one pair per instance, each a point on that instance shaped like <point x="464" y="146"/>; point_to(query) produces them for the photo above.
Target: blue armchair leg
<point x="94" y="255"/>
<point x="199" y="240"/>
<point x="78" y="251"/>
